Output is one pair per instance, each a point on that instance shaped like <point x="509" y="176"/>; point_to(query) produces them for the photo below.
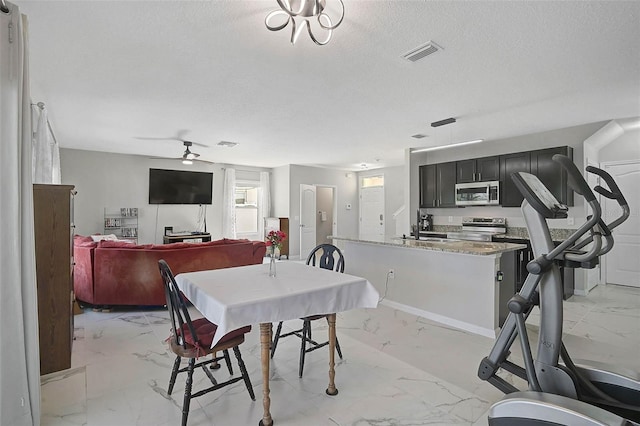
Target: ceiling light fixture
<point x="443" y="122"/>
<point x="304" y="9"/>
<point x="187" y="162"/>
<point x="434" y="148"/>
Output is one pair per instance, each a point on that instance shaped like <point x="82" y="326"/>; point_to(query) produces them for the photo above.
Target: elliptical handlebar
<point x="614" y="193"/>
<point x="579" y="185"/>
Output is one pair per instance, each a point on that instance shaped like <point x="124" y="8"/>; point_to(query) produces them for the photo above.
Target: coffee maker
<point x="426" y="222"/>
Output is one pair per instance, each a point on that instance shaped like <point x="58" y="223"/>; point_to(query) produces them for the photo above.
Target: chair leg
<point x="276" y="337"/>
<point x="187" y="391"/>
<point x="174" y="374"/>
<point x="306" y="331"/>
<point x="243" y="371"/>
<point x="227" y="359"/>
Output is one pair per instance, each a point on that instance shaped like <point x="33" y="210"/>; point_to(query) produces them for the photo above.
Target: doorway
<point x="318" y="216"/>
<point x="372" y="218"/>
<point x="622" y="264"/>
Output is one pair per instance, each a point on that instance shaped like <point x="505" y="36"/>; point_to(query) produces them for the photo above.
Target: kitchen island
<point x="463" y="284"/>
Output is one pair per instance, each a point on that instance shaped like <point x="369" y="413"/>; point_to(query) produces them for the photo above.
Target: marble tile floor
<point x="398" y="369"/>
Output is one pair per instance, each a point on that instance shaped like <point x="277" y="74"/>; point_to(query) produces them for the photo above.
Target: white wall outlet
<point x="570" y="221"/>
<point x="391" y="273"/>
<point x="450" y="219"/>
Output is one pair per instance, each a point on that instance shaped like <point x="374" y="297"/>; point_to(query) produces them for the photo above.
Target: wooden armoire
<point x="53" y="221"/>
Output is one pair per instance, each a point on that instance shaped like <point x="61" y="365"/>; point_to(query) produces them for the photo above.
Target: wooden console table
<point x="187" y="238"/>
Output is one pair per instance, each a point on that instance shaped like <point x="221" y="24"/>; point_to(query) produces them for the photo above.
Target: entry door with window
<point x="372" y="208"/>
<point x="307" y="219"/>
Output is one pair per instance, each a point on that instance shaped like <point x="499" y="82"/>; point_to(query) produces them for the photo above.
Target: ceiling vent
<point x="421" y="51"/>
<point x="418" y="136"/>
<point x="227" y="144"/>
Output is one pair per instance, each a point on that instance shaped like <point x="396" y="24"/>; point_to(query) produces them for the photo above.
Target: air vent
<point x="421" y="51"/>
<point x="227" y="144"/>
<point x="419" y="136"/>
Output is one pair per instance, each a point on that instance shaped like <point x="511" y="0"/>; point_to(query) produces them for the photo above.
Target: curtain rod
<point x="3" y="6"/>
<point x="41" y="106"/>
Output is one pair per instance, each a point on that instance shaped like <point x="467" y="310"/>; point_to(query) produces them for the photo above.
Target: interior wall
<point x="324" y="215"/>
<point x="571" y="136"/>
<point x="346" y="198"/>
<point x="120" y="180"/>
<point x="625" y="147"/>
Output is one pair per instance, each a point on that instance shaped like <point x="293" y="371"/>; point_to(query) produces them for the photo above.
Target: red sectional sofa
<point x="121" y="273"/>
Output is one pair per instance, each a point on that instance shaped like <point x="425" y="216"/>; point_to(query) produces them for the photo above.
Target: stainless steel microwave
<point x="478" y="193"/>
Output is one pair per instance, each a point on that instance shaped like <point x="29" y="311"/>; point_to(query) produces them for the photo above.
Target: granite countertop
<point x="439" y="244"/>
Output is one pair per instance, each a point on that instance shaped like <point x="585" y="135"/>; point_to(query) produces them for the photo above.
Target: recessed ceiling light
<point x="418" y="136"/>
<point x="227" y="144"/>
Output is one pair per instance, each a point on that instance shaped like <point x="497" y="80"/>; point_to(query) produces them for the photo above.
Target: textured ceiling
<point x="112" y="73"/>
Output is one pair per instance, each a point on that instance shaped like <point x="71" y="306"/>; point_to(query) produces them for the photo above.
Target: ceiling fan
<point x="188" y="157"/>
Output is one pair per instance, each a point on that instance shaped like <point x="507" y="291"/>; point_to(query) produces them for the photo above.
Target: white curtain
<point x="264" y="206"/>
<point x="19" y="350"/>
<point x="229" y="204"/>
<point x="46" y="153"/>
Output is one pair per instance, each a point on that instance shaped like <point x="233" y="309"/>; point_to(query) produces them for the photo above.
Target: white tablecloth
<point x="246" y="295"/>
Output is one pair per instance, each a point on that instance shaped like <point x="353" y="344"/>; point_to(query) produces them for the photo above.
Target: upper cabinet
<point x="478" y="170"/>
<point x="446" y="184"/>
<point x="437" y="185"/>
<point x="428" y="193"/>
<point x="511" y="163"/>
<point x="551" y="174"/>
<point x="539" y="163"/>
<point x="437" y="181"/>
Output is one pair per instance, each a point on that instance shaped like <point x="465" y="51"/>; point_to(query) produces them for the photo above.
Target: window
<point x="246" y="200"/>
<point x="371" y="181"/>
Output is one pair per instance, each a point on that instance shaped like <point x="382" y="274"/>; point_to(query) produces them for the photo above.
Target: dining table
<point x="235" y="297"/>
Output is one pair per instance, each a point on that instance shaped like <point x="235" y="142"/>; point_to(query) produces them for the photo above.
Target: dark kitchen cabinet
<point x="551" y="174"/>
<point x="478" y="169"/>
<point x="511" y="163"/>
<point x="446" y="184"/>
<point x="539" y="163"/>
<point x="438" y="185"/>
<point x="524" y="256"/>
<point x="428" y="193"/>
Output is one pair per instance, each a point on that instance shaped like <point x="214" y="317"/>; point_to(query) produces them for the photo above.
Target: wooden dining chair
<point x="192" y="340"/>
<point x="325" y="256"/>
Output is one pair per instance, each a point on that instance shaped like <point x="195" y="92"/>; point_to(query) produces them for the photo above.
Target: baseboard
<point x="580" y="292"/>
<point x="461" y="325"/>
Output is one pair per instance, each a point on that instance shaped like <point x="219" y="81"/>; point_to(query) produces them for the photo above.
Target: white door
<point x="372" y="213"/>
<point x="622" y="264"/>
<point x="307" y="219"/>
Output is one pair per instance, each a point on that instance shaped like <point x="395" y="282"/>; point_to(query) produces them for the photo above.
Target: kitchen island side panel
<point x="456" y="289"/>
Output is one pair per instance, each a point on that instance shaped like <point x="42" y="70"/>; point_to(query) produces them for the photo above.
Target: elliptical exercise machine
<point x="564" y="393"/>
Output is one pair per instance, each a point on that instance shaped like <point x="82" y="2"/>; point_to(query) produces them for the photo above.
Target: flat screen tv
<point x="180" y="187"/>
